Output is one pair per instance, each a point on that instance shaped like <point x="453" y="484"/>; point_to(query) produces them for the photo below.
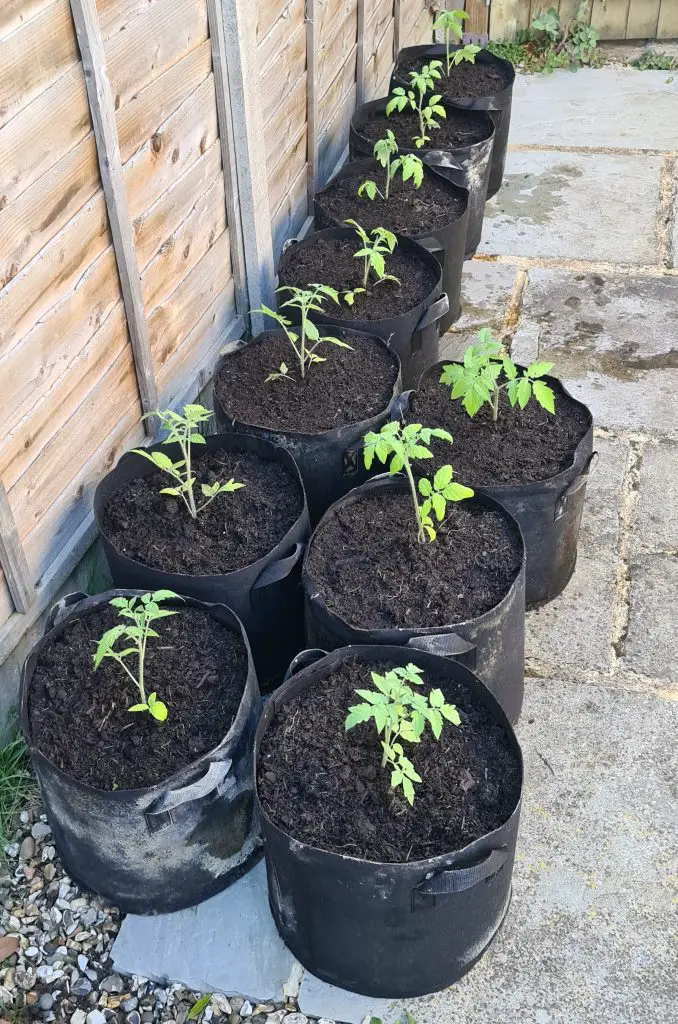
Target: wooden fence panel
<point x="614" y="19"/>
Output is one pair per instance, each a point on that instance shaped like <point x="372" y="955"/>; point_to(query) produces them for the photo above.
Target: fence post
<point x="503" y="19"/>
<point x="312" y="99"/>
<point x="360" y="56"/>
<point x="102" y="110"/>
<point x="240" y="53"/>
<point x="12" y="557"/>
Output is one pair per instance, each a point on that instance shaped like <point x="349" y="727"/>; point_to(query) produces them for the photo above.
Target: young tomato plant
<point x="373" y="252"/>
<point x="421" y="82"/>
<point x="451" y="23"/>
<point x="184" y="431"/>
<point x="402" y="445"/>
<point x="304" y="344"/>
<point x="400" y="714"/>
<point x="409" y="165"/>
<point x="488" y="370"/>
<point x="141" y="612"/>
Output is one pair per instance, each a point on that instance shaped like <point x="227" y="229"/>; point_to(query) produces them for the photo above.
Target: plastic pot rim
<point x="182" y="776"/>
<point x="526" y="485"/>
<point x="406" y="242"/>
<point x="429" y="864"/>
<point x="376" y="482"/>
<point x="243" y="427"/>
<point x="379" y="103"/>
<point x="362" y="164"/>
<point x="146" y="468"/>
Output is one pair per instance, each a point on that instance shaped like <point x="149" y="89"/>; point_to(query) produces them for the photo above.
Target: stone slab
<point x="591" y="934"/>
<point x="576" y="206"/>
<point x="575" y="630"/>
<point x="652" y="639"/>
<point x="656" y="519"/>
<point x="616" y="108"/>
<point x="485" y="293"/>
<point x="612" y="338"/>
<point x="227" y="944"/>
<point x="318" y="999"/>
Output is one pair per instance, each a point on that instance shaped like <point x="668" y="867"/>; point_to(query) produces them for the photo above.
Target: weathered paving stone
<point x="318" y="999"/>
<point x="485" y="294"/>
<point x="613" y="340"/>
<point x="656" y="522"/>
<point x="574" y="630"/>
<point x="652" y="639"/>
<point x="590" y="935"/>
<point x="576" y="206"/>
<point x="201" y="948"/>
<point x="598" y="108"/>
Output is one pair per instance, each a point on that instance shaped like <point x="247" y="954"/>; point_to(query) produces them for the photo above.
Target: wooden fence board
<point x="610" y="17"/>
<point x="667" y="27"/>
<point x="379" y="65"/>
<point x="339" y="49"/>
<point x="504" y="15"/>
<point x="284" y="28"/>
<point x="34" y="56"/>
<point x="643" y="19"/>
<point x="271" y="13"/>
<point x="312" y="98"/>
<point x="12" y="557"/>
<point x="285" y="127"/>
<point x="283" y="74"/>
<point x="15" y="13"/>
<point x="478" y="17"/>
<point x="291" y="214"/>
<point x="110" y="165"/>
<point x="287" y="170"/>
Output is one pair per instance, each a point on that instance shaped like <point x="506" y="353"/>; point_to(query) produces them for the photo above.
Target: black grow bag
<point x="329" y="462"/>
<point x="414" y="335"/>
<point x="264" y="595"/>
<point x="549" y="512"/>
<point x="468" y="166"/>
<point x="164" y="847"/>
<point x="388" y="930"/>
<point x="498" y="105"/>
<point x="447" y="241"/>
<point x="492" y="644"/>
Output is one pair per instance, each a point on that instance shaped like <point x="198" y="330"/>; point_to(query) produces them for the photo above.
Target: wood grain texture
<point x="610" y="17"/>
<point x="667" y="27"/>
<point x="504" y="19"/>
<point x="643" y="19"/>
<point x="312" y="97"/>
<point x="31" y="58"/>
<point x="230" y="195"/>
<point x="360" y="55"/>
<point x="336" y="49"/>
<point x="110" y="166"/>
<point x="478" y="17"/>
<point x="379" y="65"/>
<point x="12" y="557"/>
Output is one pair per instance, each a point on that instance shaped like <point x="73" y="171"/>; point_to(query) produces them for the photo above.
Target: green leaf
<point x="425" y="487"/>
<point x="357" y="714"/>
<point x="442" y="477"/>
<point x="162" y="461"/>
<point x="175" y="492"/>
<point x="138" y="707"/>
<point x="458" y="492"/>
<point x="539" y="369"/>
<point x="418" y="451"/>
<point x="436" y="698"/>
<point x="164" y="595"/>
<point x="158" y="710"/>
<point x="198" y="1007"/>
<point x="450" y="712"/>
<point x="119" y="602"/>
<point x="438" y="503"/>
<point x="408" y="790"/>
<point x="544" y="395"/>
<point x="524" y="391"/>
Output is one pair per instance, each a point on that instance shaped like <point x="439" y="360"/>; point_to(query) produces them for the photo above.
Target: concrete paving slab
<point x="613" y="339"/>
<point x="618" y="108"/>
<point x="575" y="630"/>
<point x="590" y="936"/>
<point x="652" y="639"/>
<point x="227" y="944"/>
<point x="656" y="519"/>
<point x="485" y="293"/>
<point x="576" y="206"/>
<point x="318" y="999"/>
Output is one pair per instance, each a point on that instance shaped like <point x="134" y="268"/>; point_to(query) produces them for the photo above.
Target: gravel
<point x="62" y="972"/>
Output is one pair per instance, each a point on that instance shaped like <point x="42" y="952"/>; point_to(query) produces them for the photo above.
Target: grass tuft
<point x="17" y="786"/>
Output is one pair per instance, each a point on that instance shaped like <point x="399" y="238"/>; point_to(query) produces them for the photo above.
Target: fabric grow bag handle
<point x="459" y="879"/>
<point x="303" y="659"/>
<point x="432" y="245"/>
<point x="279" y="570"/>
<point x="576" y="485"/>
<point x="159" y="814"/>
<point x="447" y="645"/>
<point x="435" y="311"/>
<point x="58" y="610"/>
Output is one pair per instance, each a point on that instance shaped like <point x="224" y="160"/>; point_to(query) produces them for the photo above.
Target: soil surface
<point x="326" y="787"/>
<point x="368" y="567"/>
<point x="79" y="717"/>
<point x="459" y="128"/>
<point x="350" y="386"/>
<point x="331" y="261"/>
<point x="524" y="445"/>
<point x="233" y="531"/>
<point x="466" y="81"/>
<point x="409" y="210"/>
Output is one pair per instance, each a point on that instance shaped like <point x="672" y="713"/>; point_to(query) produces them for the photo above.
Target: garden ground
<point x="577" y="265"/>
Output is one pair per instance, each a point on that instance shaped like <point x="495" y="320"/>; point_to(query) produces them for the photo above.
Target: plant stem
<point x="495" y="404"/>
<point x="366" y="274"/>
<point x="421" y="116"/>
<point x="387" y="741"/>
<point x="185" y="445"/>
<point x="447" y="49"/>
<point x="142" y="657"/>
<point x="303" y="343"/>
<point x="388" y="179"/>
<point x="413" y="490"/>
